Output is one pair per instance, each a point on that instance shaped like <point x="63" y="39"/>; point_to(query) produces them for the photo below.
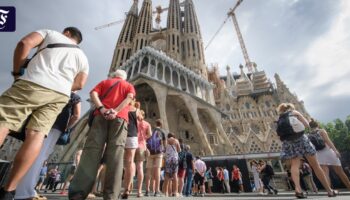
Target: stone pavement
<point x="344" y="195"/>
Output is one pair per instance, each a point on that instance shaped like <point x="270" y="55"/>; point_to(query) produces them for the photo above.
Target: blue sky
<point x="306" y="41"/>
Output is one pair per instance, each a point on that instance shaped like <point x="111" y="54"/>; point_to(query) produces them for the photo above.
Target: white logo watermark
<point x="3" y="18"/>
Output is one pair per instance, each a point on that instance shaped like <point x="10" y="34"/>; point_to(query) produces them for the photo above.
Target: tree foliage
<point x="339" y="133"/>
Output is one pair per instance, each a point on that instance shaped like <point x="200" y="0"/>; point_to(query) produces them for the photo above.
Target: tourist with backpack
<point x="327" y="154"/>
<point x="295" y="145"/>
<point x="267" y="174"/>
<point x="156" y="146"/>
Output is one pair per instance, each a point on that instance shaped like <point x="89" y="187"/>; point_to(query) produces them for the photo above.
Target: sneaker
<point x="275" y="191"/>
<point x="202" y="195"/>
<point x="146" y="194"/>
<point x="157" y="194"/>
<point x="7" y="195"/>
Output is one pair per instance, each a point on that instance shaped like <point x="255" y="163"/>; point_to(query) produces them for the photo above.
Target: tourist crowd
<point x="43" y="102"/>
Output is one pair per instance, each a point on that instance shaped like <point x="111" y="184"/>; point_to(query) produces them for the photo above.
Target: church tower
<point x="124" y="45"/>
<point x="144" y="26"/>
<point x="174" y="30"/>
<point x="194" y="50"/>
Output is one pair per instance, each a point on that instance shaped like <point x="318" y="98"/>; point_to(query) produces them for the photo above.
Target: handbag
<point x="64" y="138"/>
<point x="93" y="108"/>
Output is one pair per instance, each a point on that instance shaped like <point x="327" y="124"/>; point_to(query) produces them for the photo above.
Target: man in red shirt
<point x="108" y="127"/>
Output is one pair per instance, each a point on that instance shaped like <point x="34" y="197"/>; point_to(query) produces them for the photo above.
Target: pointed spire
<point x="243" y="75"/>
<point x="193" y="44"/>
<point x="144" y="26"/>
<point x="123" y="48"/>
<point x="174" y="30"/>
<point x="230" y="82"/>
<point x="134" y="8"/>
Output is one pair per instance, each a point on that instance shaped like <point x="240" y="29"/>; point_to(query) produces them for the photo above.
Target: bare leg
<point x="148" y="178"/>
<point x="341" y="174"/>
<point x="181" y="184"/>
<point x="129" y="168"/>
<point x="326" y="173"/>
<point x="69" y="178"/>
<point x="319" y="173"/>
<point x="165" y="185"/>
<point x="295" y="163"/>
<point x="25" y="157"/>
<point x="156" y="177"/>
<point x="3" y="133"/>
<point x="139" y="168"/>
<point x="175" y="185"/>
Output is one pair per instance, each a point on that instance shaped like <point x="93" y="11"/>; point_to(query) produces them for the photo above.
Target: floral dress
<point x="171" y="160"/>
<point x="297" y="148"/>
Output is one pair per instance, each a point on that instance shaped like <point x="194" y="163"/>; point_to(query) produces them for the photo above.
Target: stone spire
<point x="174" y="30"/>
<point x="230" y="82"/>
<point x="124" y="44"/>
<point x="193" y="44"/>
<point x="144" y="26"/>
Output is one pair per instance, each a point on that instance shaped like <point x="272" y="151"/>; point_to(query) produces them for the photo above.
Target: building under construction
<point x="217" y="115"/>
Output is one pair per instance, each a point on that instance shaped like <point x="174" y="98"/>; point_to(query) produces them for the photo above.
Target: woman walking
<point x="295" y="145"/>
<point x="257" y="181"/>
<point x="171" y="165"/>
<point x="327" y="154"/>
<point x="143" y="133"/>
<point x="131" y="145"/>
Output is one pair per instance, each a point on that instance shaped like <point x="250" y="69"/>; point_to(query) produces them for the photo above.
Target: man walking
<point x="108" y="127"/>
<point x="42" y="91"/>
<point x="189" y="171"/>
<point x="227" y="180"/>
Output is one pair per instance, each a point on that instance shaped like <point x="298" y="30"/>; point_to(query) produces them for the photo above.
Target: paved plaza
<point x="344" y="195"/>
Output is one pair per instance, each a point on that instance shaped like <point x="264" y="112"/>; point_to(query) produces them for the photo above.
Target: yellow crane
<point x="231" y="14"/>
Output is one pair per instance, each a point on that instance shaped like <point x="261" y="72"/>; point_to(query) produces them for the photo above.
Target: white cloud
<point x="328" y="57"/>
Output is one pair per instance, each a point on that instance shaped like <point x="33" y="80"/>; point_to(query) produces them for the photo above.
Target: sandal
<point x="333" y="194"/>
<point x="300" y="195"/>
<point x="125" y="195"/>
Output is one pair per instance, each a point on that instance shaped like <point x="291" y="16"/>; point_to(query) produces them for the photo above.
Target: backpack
<point x="154" y="143"/>
<point x="289" y="127"/>
<point x="182" y="160"/>
<point x="317" y="140"/>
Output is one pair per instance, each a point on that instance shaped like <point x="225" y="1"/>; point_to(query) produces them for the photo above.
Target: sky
<point x="307" y="42"/>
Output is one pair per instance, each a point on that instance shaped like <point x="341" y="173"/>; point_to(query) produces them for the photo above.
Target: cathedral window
<point x="199" y="50"/>
<point x="247" y="105"/>
<point x="193" y="48"/>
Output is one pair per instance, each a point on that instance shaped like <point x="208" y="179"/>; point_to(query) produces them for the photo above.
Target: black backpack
<point x="183" y="159"/>
<point x="269" y="170"/>
<point x="285" y="129"/>
<point x="317" y="140"/>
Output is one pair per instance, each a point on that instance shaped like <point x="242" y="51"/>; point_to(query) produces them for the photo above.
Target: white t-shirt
<point x="56" y="68"/>
<point x="200" y="166"/>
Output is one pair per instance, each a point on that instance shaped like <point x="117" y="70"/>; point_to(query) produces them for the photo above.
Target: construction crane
<point x="110" y="24"/>
<point x="231" y="14"/>
<point x="159" y="10"/>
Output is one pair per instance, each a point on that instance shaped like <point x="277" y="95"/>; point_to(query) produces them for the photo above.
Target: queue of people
<point x="119" y="140"/>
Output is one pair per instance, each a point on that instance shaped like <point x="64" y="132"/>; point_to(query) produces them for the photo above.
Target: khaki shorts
<point x="25" y="98"/>
<point x="154" y="161"/>
<point x="140" y="155"/>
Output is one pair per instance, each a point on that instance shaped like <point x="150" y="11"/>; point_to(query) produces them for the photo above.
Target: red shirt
<point x="115" y="96"/>
<point x="235" y="174"/>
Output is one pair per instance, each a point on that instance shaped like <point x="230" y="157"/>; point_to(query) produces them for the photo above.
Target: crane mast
<point x="231" y="13"/>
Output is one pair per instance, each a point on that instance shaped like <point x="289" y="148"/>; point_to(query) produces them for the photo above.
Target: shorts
<point x="210" y="182"/>
<point x="41" y="179"/>
<point x="131" y="143"/>
<point x="140" y="155"/>
<point x="181" y="173"/>
<point x="25" y="98"/>
<point x="198" y="179"/>
<point x="154" y="161"/>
